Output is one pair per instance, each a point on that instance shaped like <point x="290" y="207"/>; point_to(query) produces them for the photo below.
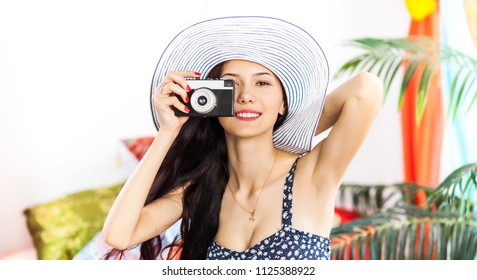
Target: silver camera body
<point x="210" y="98"/>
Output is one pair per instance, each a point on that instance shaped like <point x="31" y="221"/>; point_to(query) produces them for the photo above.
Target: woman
<point x="232" y="180"/>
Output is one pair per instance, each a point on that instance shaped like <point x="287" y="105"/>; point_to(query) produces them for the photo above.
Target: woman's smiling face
<point x="258" y="98"/>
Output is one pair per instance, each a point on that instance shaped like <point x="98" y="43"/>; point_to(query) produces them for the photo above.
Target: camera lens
<point x="202" y="100"/>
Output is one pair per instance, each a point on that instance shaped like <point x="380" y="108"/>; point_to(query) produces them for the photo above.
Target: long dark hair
<point x="197" y="158"/>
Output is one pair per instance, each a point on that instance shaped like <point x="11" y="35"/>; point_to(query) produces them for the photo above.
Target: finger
<point x="160" y="87"/>
<point x="167" y="79"/>
<point x="179" y="77"/>
<point x="162" y="102"/>
<point x="178" y="105"/>
<point x="188" y="74"/>
<point x="171" y="89"/>
<point x="157" y="97"/>
<point x="158" y="90"/>
<point x="166" y="102"/>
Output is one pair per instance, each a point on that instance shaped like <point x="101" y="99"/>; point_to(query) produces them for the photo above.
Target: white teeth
<point x="248" y="115"/>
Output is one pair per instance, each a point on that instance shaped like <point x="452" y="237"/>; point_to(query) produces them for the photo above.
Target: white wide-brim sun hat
<point x="287" y="50"/>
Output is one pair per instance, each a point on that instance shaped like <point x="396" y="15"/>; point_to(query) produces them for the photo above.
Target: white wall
<point x="74" y="79"/>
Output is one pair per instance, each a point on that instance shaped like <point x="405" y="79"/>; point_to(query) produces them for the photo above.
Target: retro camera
<point x="210" y="98"/>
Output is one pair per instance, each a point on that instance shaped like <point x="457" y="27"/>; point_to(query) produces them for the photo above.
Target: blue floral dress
<point x="286" y="244"/>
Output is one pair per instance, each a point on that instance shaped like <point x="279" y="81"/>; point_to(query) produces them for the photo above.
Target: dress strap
<point x="287" y="196"/>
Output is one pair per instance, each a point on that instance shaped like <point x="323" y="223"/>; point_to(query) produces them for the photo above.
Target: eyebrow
<point x="254" y="75"/>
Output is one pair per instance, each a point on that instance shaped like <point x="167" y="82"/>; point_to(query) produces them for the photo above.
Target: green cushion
<point x="60" y="228"/>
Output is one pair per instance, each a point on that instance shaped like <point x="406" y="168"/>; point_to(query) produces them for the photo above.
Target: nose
<point x="244" y="95"/>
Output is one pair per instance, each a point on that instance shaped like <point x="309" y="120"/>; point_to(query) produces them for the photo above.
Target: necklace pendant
<point x="251" y="219"/>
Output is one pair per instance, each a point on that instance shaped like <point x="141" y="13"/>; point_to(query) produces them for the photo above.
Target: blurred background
<point x="75" y="79"/>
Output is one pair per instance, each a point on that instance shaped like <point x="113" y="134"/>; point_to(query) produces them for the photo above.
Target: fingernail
<point x="187" y="109"/>
<point x="187" y="99"/>
<point x="197" y="73"/>
<point x="188" y="88"/>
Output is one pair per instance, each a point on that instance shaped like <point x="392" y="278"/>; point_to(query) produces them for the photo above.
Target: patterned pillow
<point x="60" y="228"/>
<point x="138" y="146"/>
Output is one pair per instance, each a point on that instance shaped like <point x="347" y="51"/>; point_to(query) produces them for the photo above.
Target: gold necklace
<point x="252" y="213"/>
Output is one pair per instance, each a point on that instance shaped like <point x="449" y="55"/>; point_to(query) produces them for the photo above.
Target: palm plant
<point x="443" y="227"/>
<point x="385" y="57"/>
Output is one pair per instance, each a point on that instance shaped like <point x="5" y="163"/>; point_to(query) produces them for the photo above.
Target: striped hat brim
<point x="287" y="50"/>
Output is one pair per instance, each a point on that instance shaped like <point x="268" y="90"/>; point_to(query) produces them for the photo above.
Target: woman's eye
<point x="262" y="83"/>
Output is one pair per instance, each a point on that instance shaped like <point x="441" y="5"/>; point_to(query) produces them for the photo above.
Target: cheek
<point x="277" y="103"/>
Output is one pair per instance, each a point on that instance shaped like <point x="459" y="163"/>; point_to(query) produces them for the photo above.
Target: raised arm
<point x="350" y="109"/>
<point x="129" y="222"/>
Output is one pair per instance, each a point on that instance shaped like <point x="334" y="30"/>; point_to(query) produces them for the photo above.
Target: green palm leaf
<point x="402" y="232"/>
<point x="416" y="56"/>
<point x="457" y="193"/>
<point x="444" y="227"/>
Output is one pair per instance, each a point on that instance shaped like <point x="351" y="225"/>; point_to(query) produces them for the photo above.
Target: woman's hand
<point x="167" y="94"/>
